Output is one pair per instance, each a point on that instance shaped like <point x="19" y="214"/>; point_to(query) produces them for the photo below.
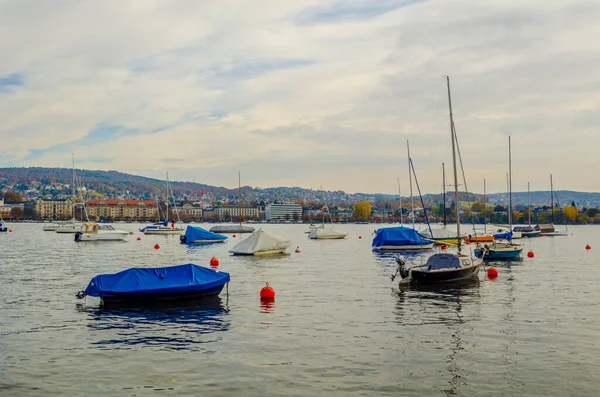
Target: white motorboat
<point x="100" y="232"/>
<point x="51" y="227"/>
<point x="232" y="229"/>
<point x="260" y="243"/>
<point x="326" y="233"/>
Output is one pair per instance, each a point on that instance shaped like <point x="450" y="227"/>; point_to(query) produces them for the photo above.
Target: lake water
<point x="338" y="325"/>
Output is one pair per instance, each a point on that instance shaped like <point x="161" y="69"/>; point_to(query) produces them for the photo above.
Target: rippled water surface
<point x="338" y="326"/>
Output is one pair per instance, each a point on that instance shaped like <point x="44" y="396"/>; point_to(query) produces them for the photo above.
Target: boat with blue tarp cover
<point x="197" y="235"/>
<point x="147" y="285"/>
<point x="400" y="238"/>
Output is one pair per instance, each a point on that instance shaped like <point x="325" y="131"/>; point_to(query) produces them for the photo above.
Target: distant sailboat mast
<point x="240" y="197"/>
<point x="509" y="185"/>
<point x="551" y="201"/>
<point x="528" y="204"/>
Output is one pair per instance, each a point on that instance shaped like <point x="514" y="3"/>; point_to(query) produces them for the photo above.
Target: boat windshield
<point x="442" y="261"/>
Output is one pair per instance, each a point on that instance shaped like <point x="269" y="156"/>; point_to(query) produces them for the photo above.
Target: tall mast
<point x="400" y="196"/>
<point x="485" y="203"/>
<point x="509" y="186"/>
<point x="454" y="164"/>
<point x="412" y="206"/>
<point x="528" y="204"/>
<point x="484" y="195"/>
<point x="444" y="190"/>
<point x="551" y="201"/>
<point x="240" y="196"/>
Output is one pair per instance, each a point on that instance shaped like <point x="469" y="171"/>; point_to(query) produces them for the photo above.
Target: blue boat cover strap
<point x="151" y="281"/>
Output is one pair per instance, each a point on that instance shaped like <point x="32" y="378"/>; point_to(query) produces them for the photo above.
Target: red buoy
<point x="156" y="246"/>
<point x="10" y="230"/>
<point x="139" y="238"/>
<point x="359" y="236"/>
<point x="298" y="250"/>
<point x="530" y="254"/>
<point x="444" y="247"/>
<point x="233" y="236"/>
<point x="467" y="242"/>
<point x="500" y="239"/>
<point x="587" y="247"/>
<point x="492" y="272"/>
<point x="214" y="262"/>
<point x="267" y="292"/>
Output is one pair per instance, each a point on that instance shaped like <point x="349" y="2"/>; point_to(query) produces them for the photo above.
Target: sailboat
<point x="527" y="231"/>
<point x="72" y="226"/>
<point x="501" y="249"/>
<point x="443" y="267"/>
<point x="485" y="237"/>
<point x="163" y="228"/>
<point x="401" y="238"/>
<point x="235" y="228"/>
<point x="550" y="230"/>
<point x="326" y="232"/>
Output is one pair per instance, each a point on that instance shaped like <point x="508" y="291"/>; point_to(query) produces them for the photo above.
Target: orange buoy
<point x="139" y="238"/>
<point x="444" y="247"/>
<point x="530" y="254"/>
<point x="587" y="247"/>
<point x="214" y="261"/>
<point x="267" y="292"/>
<point x="492" y="272"/>
<point x="156" y="246"/>
<point x="298" y="250"/>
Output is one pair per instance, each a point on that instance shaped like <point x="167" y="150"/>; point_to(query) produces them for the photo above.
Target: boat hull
<point x="232" y="229"/>
<point x="501" y="253"/>
<point x="480" y="239"/>
<point x="262" y="253"/>
<point x="535" y="233"/>
<point x="164" y="232"/>
<point x="554" y="234"/>
<point x="423" y="276"/>
<point x="103" y="237"/>
<point x="151" y="298"/>
<point x="421" y="247"/>
<point x="68" y="229"/>
<point x="204" y="241"/>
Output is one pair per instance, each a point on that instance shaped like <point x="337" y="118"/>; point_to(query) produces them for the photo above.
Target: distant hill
<point x="35" y="181"/>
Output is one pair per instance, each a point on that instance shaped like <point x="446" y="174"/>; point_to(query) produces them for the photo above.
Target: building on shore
<point x="229" y="212"/>
<point x="54" y="209"/>
<point x="125" y="210"/>
<point x="279" y="212"/>
<point x="188" y="212"/>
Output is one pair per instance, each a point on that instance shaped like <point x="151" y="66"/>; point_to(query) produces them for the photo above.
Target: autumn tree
<point x="571" y="212"/>
<point x="362" y="210"/>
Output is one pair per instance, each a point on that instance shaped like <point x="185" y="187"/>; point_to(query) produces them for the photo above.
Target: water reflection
<point x="164" y="326"/>
<point x="441" y="305"/>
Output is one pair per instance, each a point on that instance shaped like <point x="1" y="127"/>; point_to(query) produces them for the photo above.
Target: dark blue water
<point x="338" y="325"/>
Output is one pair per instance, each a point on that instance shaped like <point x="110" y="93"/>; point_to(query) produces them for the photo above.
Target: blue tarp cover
<point x="398" y="236"/>
<point x="505" y="236"/>
<point x="194" y="233"/>
<point x="161" y="280"/>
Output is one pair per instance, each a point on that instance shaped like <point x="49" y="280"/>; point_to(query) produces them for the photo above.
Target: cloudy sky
<point x="304" y="93"/>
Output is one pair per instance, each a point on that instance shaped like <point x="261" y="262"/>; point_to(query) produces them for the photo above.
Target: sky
<point x="316" y="94"/>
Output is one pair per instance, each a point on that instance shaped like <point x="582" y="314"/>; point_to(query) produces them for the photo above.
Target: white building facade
<point x="279" y="212"/>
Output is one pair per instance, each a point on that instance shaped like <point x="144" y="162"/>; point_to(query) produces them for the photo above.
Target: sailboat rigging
<point x="443" y="267"/>
<point x="235" y="228"/>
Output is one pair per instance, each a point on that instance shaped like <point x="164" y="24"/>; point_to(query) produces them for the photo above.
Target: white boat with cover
<point x="100" y="232"/>
<point x="260" y="243"/>
<point x="326" y="232"/>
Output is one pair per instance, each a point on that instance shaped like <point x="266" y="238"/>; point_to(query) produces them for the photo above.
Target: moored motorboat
<point x="148" y="285"/>
<point x="162" y="228"/>
<point x="527" y="231"/>
<point x="498" y="250"/>
<point x="260" y="243"/>
<point x="198" y="235"/>
<point x="69" y="227"/>
<point x="100" y="232"/>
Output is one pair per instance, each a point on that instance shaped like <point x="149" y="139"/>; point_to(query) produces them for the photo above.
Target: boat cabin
<point x="446" y="261"/>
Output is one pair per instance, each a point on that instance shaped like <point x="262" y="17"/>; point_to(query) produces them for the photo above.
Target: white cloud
<point x="304" y="93"/>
